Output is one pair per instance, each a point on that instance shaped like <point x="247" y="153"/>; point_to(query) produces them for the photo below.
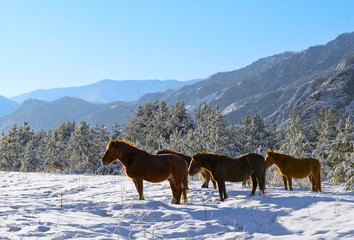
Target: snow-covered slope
<point x="50" y="206"/>
<point x="273" y="85"/>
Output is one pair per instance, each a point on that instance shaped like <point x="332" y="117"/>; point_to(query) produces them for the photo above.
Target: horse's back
<point x="181" y="155"/>
<point x="255" y="158"/>
<point x="233" y="169"/>
<point x="304" y="166"/>
<point x="173" y="161"/>
<point x="316" y="166"/>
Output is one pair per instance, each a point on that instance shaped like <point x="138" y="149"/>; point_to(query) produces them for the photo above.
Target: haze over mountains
<point x="320" y="76"/>
<point x="105" y="91"/>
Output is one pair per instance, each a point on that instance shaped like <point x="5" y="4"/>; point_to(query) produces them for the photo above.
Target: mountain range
<point x="320" y="76"/>
<point x="105" y="91"/>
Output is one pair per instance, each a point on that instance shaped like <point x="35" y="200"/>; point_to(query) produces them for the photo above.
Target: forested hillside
<point x="78" y="147"/>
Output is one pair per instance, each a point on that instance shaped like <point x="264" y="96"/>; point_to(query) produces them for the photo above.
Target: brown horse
<point x="290" y="167"/>
<point x="223" y="168"/>
<point x="206" y="175"/>
<point x="140" y="165"/>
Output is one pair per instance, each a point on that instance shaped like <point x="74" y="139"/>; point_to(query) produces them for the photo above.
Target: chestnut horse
<point x="290" y="167"/>
<point x="140" y="165"/>
<point x="223" y="168"/>
<point x="203" y="172"/>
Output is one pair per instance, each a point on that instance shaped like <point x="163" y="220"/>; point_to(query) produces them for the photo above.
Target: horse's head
<point x="269" y="159"/>
<point x="195" y="165"/>
<point x="111" y="153"/>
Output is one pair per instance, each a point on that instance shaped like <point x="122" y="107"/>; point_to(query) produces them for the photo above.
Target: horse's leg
<point x="290" y="180"/>
<point x="285" y="179"/>
<point x="261" y="182"/>
<point x="214" y="182"/>
<point x="174" y="190"/>
<point x="222" y="190"/>
<point x="319" y="188"/>
<point x="139" y="187"/>
<point x="316" y="175"/>
<point x="185" y="186"/>
<point x="247" y="182"/>
<point x="206" y="176"/>
<point x="312" y="181"/>
<point x="254" y="183"/>
<point x="178" y="180"/>
<point x="317" y="180"/>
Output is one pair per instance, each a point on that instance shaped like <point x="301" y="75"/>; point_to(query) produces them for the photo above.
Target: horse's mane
<point x="168" y="150"/>
<point x="280" y="155"/>
<point x="270" y="152"/>
<point x="126" y="143"/>
<point x="207" y="155"/>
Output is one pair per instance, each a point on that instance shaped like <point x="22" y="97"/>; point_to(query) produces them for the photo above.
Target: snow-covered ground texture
<point x="53" y="206"/>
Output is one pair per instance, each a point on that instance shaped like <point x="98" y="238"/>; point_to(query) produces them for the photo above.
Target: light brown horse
<point x="206" y="175"/>
<point x="140" y="165"/>
<point x="290" y="167"/>
<point x="223" y="168"/>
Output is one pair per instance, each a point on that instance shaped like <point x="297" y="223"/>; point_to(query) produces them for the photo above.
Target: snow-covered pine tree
<point x="10" y="151"/>
<point x="83" y="154"/>
<point x="52" y="154"/>
<point x="236" y="147"/>
<point x="210" y="133"/>
<point x="33" y="160"/>
<point x="179" y="120"/>
<point x="178" y="125"/>
<point x="137" y="126"/>
<point x="341" y="156"/>
<point x="296" y="142"/>
<point x="256" y="135"/>
<point x="326" y="132"/>
<point x="117" y="132"/>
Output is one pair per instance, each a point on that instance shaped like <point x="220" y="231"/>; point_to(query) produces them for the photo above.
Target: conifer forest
<point x="78" y="147"/>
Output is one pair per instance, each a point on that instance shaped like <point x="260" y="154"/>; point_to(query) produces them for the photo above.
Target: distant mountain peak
<point x="105" y="91"/>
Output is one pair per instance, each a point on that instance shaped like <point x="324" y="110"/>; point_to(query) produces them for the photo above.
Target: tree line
<point x="77" y="147"/>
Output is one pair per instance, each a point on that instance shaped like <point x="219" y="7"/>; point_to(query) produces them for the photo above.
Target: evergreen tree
<point x="341" y="157"/>
<point x="326" y="132"/>
<point x="296" y="142"/>
<point x="137" y="127"/>
<point x="179" y="120"/>
<point x="10" y="151"/>
<point x="116" y="132"/>
<point x="54" y="156"/>
<point x="210" y="133"/>
<point x="32" y="160"/>
<point x="256" y="135"/>
<point x="83" y="153"/>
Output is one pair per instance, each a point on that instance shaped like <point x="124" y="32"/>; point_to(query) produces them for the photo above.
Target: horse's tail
<point x="318" y="188"/>
<point x="185" y="186"/>
<point x="259" y="173"/>
<point x="262" y="184"/>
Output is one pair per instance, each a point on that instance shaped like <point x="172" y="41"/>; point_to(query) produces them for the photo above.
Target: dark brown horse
<point x="223" y="168"/>
<point x="140" y="165"/>
<point x="290" y="167"/>
<point x="206" y="175"/>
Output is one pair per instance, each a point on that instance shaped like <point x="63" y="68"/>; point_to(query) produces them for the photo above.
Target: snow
<point x="58" y="206"/>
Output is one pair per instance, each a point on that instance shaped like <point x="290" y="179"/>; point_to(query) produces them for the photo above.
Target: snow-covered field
<point x="53" y="206"/>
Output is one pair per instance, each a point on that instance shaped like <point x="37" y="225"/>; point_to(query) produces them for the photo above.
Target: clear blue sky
<point x="60" y="43"/>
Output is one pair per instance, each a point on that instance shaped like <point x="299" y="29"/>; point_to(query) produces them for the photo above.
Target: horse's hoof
<point x="174" y="201"/>
<point x="204" y="186"/>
